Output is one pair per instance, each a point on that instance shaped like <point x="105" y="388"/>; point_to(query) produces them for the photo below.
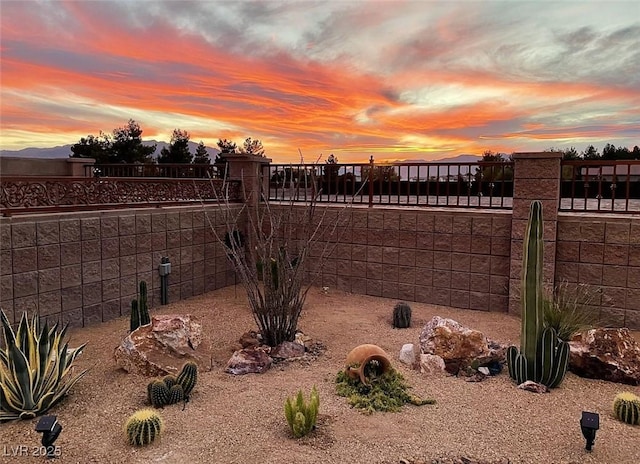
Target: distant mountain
<point x="63" y="151"/>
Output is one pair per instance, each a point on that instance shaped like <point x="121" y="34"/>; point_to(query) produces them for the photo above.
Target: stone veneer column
<point x="247" y="168"/>
<point x="536" y="177"/>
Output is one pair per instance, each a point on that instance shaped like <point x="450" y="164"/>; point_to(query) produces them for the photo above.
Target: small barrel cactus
<point x="176" y="394"/>
<point x="158" y="393"/>
<point x="402" y="316"/>
<point x="170" y="380"/>
<point x="626" y="408"/>
<point x="188" y="377"/>
<point x="143" y="427"/>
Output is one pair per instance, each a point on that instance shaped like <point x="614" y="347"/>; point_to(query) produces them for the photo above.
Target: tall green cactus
<point x="543" y="357"/>
<point x="134" y="322"/>
<point x="140" y="309"/>
<point x="143" y="306"/>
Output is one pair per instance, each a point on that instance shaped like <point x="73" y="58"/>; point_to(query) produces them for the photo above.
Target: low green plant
<point x="143" y="427"/>
<point x="567" y="309"/>
<point x="385" y="392"/>
<point x="36" y="368"/>
<point x="626" y="408"/>
<point x="401" y="315"/>
<point x="302" y="416"/>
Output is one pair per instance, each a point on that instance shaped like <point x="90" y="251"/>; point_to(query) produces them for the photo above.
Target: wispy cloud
<point x="352" y="78"/>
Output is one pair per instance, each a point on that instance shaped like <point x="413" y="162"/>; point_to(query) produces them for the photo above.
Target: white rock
<point x="408" y="354"/>
<point x="431" y="364"/>
<point x="484" y="370"/>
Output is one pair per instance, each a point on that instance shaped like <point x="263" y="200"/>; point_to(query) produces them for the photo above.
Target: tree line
<point x="124" y="145"/>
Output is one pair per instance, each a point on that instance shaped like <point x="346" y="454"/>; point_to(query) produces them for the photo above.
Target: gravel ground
<point x="240" y="419"/>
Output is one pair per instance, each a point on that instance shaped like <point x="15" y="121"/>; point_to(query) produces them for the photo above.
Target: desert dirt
<point x="240" y="419"/>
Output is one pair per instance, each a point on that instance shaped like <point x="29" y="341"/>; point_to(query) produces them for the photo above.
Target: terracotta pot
<point x="363" y="355"/>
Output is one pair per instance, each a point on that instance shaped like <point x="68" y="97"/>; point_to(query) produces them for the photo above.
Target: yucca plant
<point x="36" y="368"/>
<point x="301" y="416"/>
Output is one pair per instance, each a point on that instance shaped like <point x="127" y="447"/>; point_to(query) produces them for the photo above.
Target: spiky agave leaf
<point x="34" y="368"/>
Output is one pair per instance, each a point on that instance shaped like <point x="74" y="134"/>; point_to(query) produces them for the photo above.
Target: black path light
<point x="50" y="429"/>
<point x="589" y="424"/>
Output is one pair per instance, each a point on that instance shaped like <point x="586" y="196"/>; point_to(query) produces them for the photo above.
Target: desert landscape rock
<point x="457" y="345"/>
<point x="607" y="354"/>
<point x="162" y="346"/>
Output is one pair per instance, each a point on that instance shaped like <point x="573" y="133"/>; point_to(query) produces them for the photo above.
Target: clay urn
<point x="361" y="356"/>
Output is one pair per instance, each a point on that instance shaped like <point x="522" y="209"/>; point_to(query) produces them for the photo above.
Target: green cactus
<point x="188" y="377"/>
<point x="301" y="416"/>
<point x="543" y="357"/>
<point x="158" y="393"/>
<point x="626" y="408"/>
<point x="135" y="316"/>
<point x="170" y="380"/>
<point x="176" y="394"/>
<point x="402" y="315"/>
<point x="143" y="304"/>
<point x="143" y="427"/>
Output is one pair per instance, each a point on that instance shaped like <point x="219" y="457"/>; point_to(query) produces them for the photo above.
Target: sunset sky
<point x="398" y="80"/>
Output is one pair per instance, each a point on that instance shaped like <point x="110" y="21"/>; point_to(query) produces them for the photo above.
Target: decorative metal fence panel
<point x="44" y="194"/>
<point x="466" y="185"/>
<point x="600" y="185"/>
<point x="181" y="170"/>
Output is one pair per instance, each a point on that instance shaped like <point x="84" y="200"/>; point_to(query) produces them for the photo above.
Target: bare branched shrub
<point x="286" y="244"/>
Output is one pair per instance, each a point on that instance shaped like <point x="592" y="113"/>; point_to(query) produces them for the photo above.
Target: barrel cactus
<point x="626" y="408"/>
<point x="542" y="357"/>
<point x="188" y="377"/>
<point x="143" y="427"/>
<point x="402" y="315"/>
<point x="158" y="393"/>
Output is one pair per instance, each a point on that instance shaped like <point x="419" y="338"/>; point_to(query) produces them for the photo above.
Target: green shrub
<point x="301" y="416"/>
<point x="386" y="392"/>
<point x="35" y="368"/>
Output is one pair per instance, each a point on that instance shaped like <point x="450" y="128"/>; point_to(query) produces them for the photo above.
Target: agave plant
<point x="36" y="368"/>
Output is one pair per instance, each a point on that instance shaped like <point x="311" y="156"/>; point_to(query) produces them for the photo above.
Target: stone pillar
<point x="248" y="169"/>
<point x="76" y="166"/>
<point x="536" y="177"/>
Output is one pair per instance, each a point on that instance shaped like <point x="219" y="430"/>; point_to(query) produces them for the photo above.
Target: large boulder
<point x="606" y="354"/>
<point x="249" y="361"/>
<point x="459" y="346"/>
<point x="162" y="347"/>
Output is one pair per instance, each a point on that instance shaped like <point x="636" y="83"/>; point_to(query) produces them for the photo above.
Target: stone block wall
<point x="455" y="258"/>
<point x="602" y="252"/>
<point x="84" y="268"/>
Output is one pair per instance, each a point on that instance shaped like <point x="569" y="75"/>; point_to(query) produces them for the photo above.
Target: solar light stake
<point x="589" y="423"/>
<point x="50" y="429"/>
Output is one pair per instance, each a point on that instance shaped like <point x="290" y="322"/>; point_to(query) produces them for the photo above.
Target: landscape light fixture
<point x="50" y="429"/>
<point x="589" y="423"/>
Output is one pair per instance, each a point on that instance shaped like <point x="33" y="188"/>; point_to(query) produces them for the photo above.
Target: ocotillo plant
<point x="543" y="357"/>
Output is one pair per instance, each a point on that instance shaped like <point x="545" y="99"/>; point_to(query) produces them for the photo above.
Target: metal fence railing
<point x="182" y="170"/>
<point x="466" y="185"/>
<point x="600" y="185"/>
